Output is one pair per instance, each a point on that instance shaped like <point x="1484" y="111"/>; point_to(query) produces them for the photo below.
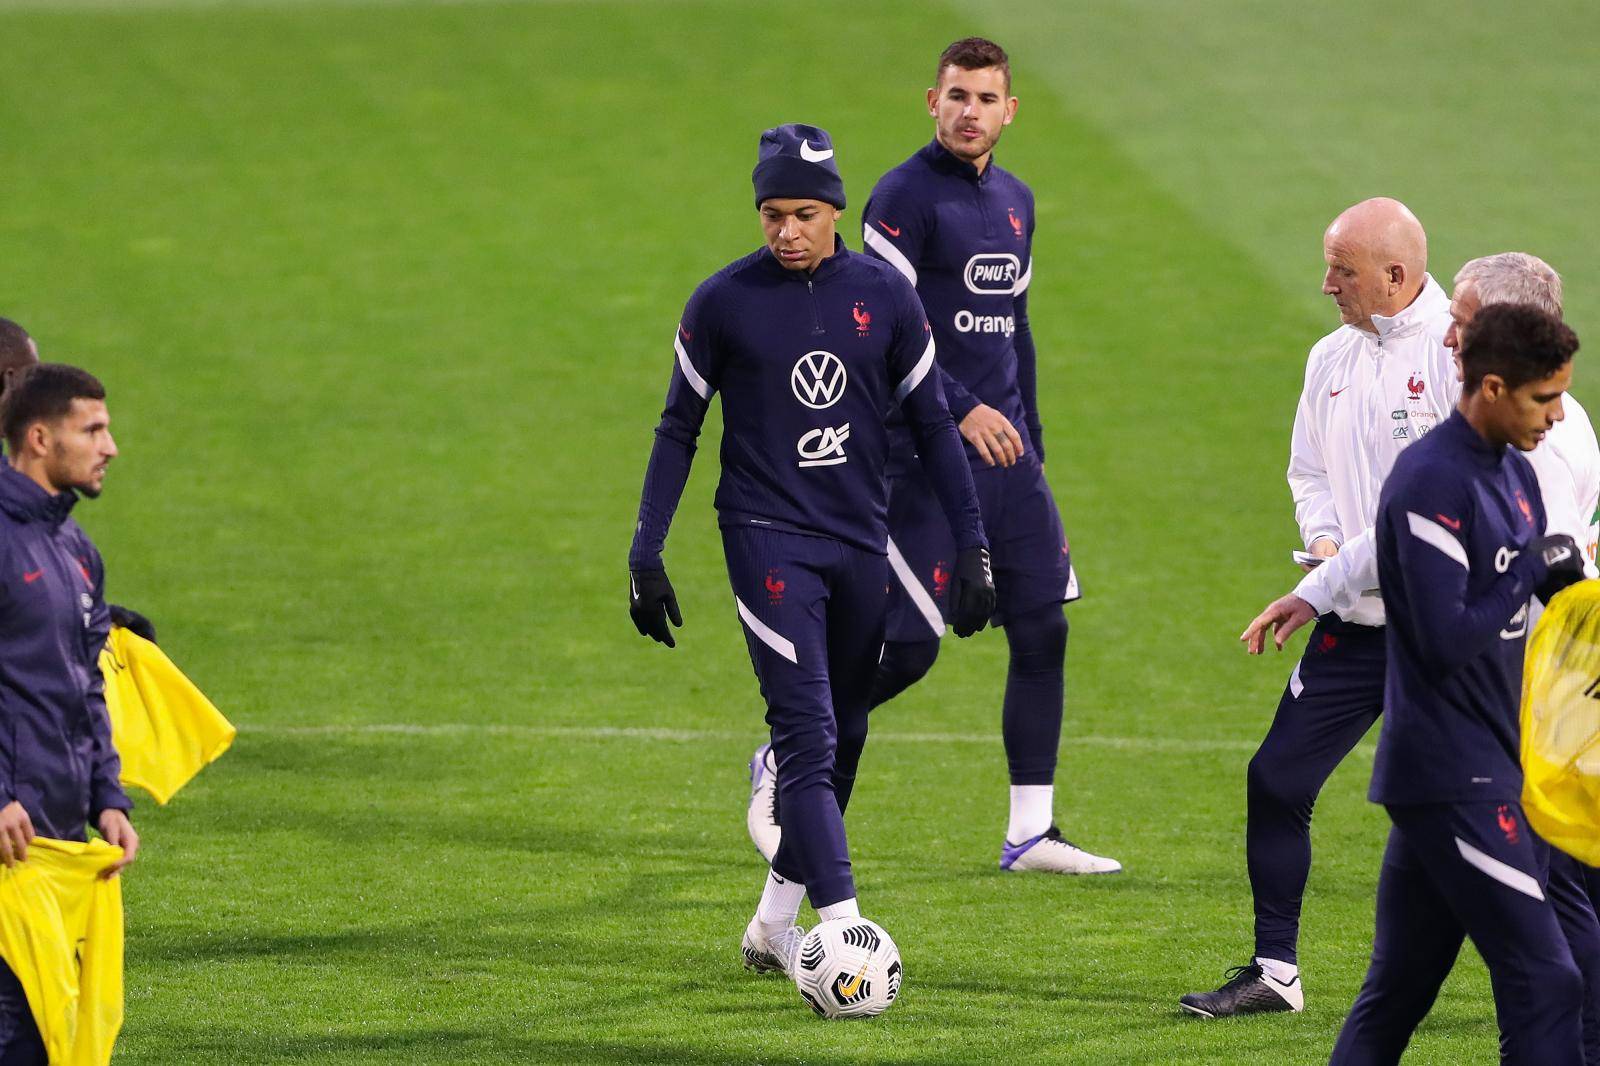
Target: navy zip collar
<point x="944" y="160"/>
<point x="824" y="270"/>
<point x="1483" y="453"/>
<point x="23" y="499"/>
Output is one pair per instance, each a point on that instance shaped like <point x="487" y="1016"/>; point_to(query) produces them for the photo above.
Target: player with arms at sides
<point x="960" y="228"/>
<point x="1461" y="551"/>
<point x="811" y="346"/>
<point x="58" y="768"/>
<point x="18" y="352"/>
<point x="1379" y="382"/>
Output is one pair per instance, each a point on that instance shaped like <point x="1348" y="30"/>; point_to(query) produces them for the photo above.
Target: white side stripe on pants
<point x="766" y="634"/>
<point x="919" y="595"/>
<point x="1505" y="873"/>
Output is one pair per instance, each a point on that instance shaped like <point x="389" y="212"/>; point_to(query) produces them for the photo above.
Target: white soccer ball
<point x="848" y="968"/>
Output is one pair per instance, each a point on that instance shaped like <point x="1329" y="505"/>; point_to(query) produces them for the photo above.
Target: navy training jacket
<point x="1455" y="518"/>
<point x="810" y="367"/>
<point x="56" y="754"/>
<point x="965" y="240"/>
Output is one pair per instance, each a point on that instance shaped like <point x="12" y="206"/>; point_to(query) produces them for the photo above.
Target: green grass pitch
<point x="383" y="294"/>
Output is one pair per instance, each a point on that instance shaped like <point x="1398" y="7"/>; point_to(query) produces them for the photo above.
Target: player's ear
<point x="1493" y="387"/>
<point x="1011" y="112"/>
<point x="933" y="101"/>
<point x="38" y="437"/>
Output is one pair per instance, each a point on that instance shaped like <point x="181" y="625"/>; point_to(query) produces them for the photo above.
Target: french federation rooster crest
<point x="1415" y="385"/>
<point x="863" y="318"/>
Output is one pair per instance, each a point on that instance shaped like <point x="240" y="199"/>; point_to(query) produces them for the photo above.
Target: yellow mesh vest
<point x="61" y="934"/>
<point x="1561" y="723"/>
<point x="163" y="727"/>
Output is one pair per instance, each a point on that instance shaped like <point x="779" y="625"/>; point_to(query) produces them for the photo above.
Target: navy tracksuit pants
<point x="1332" y="699"/>
<point x="1466" y="870"/>
<point x="813" y="615"/>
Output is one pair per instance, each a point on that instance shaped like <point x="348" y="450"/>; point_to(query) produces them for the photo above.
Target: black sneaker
<point x="1249" y="990"/>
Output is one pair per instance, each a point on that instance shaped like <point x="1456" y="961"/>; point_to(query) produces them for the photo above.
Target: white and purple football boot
<point x="1051" y="853"/>
<point x="761" y="819"/>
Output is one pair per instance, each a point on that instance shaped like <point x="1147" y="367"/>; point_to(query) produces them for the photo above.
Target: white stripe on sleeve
<point x="1430" y="532"/>
<point x="914" y="590"/>
<point x="766" y="634"/>
<point x="1022" y="283"/>
<point x="696" y="382"/>
<point x="1505" y="873"/>
<point x="892" y="255"/>
<point x="918" y="372"/>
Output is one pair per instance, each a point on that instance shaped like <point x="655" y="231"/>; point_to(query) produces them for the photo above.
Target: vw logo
<point x="818" y="380"/>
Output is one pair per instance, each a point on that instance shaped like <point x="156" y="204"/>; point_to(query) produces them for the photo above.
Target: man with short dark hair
<point x="960" y="229"/>
<point x="18" y="352"/>
<point x="58" y="768"/>
<point x="810" y="345"/>
<point x="1461" y="551"/>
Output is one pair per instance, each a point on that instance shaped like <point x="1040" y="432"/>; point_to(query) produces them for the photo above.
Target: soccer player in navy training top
<point x="59" y="772"/>
<point x="18" y="352"/>
<point x="812" y="346"/>
<point x="960" y="229"/>
<point x="1460" y="552"/>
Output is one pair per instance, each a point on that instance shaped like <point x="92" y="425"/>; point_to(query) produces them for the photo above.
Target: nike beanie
<point x="795" y="162"/>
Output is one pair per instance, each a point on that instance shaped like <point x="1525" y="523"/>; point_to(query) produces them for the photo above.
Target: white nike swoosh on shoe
<point x="814" y="155"/>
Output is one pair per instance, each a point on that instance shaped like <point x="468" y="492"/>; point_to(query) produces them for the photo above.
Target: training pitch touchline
<point x="690" y="736"/>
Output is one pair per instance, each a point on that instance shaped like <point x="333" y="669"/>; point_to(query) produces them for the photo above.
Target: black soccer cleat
<point x="1249" y="990"/>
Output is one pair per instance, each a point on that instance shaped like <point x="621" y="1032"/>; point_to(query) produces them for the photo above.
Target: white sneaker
<point x="761" y="819"/>
<point x="770" y="954"/>
<point x="1051" y="853"/>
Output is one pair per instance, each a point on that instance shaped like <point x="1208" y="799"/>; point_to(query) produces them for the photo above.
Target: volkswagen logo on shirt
<point x="818" y="380"/>
<point x="993" y="273"/>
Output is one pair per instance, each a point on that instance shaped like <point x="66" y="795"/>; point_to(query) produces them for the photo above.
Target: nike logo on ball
<point x="814" y="155"/>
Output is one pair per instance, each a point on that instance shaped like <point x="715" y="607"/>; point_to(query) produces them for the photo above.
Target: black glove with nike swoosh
<point x="1563" y="563"/>
<point x="651" y="602"/>
<point x="972" y="592"/>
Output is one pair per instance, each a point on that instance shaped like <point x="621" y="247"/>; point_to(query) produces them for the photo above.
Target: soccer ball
<point x="848" y="968"/>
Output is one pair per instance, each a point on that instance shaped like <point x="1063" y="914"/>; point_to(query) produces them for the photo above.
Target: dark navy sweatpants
<point x="1465" y="870"/>
<point x="1568" y="890"/>
<point x="1033" y="576"/>
<point x="812" y="610"/>
<point x="20" y="1043"/>
<point x="1332" y="699"/>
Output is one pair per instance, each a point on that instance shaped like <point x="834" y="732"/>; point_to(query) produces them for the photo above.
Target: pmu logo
<point x="823" y="447"/>
<point x="992" y="273"/>
<point x="818" y="380"/>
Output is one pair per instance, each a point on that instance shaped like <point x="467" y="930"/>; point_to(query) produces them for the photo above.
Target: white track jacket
<point x="1408" y="383"/>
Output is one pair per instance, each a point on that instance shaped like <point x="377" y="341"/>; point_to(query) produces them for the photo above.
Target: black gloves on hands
<point x="1563" y="563"/>
<point x="133" y="621"/>
<point x="972" y="592"/>
<point x="651" y="602"/>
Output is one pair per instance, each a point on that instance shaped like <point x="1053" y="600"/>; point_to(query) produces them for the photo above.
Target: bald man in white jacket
<point x="1313" y="728"/>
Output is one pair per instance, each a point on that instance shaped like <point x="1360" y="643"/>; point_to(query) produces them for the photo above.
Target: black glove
<point x="133" y="621"/>
<point x="972" y="592"/>
<point x="651" y="601"/>
<point x="1563" y="563"/>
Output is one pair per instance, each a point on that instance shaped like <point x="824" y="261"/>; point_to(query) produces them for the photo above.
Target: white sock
<point x="1032" y="811"/>
<point x="780" y="903"/>
<point x="1280" y="971"/>
<point x="845" y="908"/>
